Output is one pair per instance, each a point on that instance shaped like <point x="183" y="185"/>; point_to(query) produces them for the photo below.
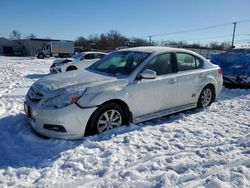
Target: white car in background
<point x="78" y="61"/>
<point x="129" y="85"/>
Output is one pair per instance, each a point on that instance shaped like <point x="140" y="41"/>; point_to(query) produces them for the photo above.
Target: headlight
<point x="63" y="100"/>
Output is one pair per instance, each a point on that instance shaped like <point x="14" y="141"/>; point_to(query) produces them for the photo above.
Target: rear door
<point x="190" y="77"/>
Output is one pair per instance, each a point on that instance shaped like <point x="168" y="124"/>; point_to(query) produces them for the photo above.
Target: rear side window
<point x="99" y="56"/>
<point x="187" y="61"/>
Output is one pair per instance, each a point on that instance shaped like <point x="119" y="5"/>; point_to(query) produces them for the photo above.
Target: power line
<point x="198" y="29"/>
<point x="213" y="37"/>
<point x="242" y="40"/>
<point x="243" y="21"/>
<point x="191" y="30"/>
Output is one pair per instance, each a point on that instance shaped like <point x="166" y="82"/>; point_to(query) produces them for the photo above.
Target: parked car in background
<point x="62" y="49"/>
<point x="130" y="85"/>
<point x="77" y="61"/>
<point x="235" y="66"/>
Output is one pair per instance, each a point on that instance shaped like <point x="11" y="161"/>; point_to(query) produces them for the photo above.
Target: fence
<point x="205" y="52"/>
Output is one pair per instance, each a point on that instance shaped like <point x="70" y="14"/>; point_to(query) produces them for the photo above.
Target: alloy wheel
<point x="108" y="120"/>
<point x="206" y="97"/>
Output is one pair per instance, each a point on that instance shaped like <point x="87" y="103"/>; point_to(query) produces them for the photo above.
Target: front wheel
<point x="207" y="96"/>
<point x="41" y="56"/>
<point x="107" y="116"/>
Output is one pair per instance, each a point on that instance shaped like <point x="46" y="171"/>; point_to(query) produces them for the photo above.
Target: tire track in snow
<point x="212" y="166"/>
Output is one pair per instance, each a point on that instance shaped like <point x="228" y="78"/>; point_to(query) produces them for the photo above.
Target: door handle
<point x="172" y="81"/>
<point x="201" y="75"/>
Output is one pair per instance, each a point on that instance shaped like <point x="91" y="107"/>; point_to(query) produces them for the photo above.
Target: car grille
<point x="34" y="96"/>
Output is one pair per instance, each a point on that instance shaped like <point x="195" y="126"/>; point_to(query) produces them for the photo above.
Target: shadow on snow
<point x="36" y="76"/>
<point x="20" y="147"/>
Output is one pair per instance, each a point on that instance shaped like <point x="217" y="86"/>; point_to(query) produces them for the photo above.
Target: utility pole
<point x="232" y="46"/>
<point x="150" y="39"/>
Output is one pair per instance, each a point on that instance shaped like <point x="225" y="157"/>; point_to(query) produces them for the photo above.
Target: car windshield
<point x="119" y="63"/>
<point x="77" y="56"/>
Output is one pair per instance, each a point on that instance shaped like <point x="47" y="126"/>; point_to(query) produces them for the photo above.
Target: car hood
<point x="58" y="60"/>
<point x="71" y="81"/>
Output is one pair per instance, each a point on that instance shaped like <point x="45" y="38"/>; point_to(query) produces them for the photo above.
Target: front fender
<point x="96" y="98"/>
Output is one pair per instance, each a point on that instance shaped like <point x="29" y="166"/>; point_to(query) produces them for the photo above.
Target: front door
<point x="154" y="95"/>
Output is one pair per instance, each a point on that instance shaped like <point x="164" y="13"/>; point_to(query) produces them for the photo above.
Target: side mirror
<point x="147" y="74"/>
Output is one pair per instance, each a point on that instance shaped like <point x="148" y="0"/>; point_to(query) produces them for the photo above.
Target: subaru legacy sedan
<point x="127" y="86"/>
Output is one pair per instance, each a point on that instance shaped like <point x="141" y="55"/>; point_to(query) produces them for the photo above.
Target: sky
<point x="69" y="19"/>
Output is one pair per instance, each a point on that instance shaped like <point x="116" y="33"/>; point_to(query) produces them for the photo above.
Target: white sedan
<point x="130" y="85"/>
<point x="78" y="61"/>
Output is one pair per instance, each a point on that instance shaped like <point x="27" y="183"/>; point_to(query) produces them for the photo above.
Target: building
<point x="31" y="45"/>
<point x="9" y="47"/>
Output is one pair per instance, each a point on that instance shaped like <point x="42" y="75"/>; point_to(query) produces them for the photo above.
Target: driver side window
<point x="161" y="64"/>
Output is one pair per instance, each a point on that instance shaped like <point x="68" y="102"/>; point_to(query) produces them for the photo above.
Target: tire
<point x="107" y="116"/>
<point x="40" y="56"/>
<point x="206" y="97"/>
<point x="71" y="68"/>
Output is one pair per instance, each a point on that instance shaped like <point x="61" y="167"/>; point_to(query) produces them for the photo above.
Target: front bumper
<point x="72" y="118"/>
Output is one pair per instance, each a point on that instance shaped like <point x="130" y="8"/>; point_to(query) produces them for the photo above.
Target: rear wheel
<point x="107" y="116"/>
<point x="207" y="96"/>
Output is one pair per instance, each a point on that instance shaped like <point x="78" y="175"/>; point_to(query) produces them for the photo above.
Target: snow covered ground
<point x="199" y="148"/>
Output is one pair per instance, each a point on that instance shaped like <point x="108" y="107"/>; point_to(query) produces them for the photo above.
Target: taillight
<point x="220" y="71"/>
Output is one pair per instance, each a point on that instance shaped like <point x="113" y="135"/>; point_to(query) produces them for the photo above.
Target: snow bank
<point x="198" y="148"/>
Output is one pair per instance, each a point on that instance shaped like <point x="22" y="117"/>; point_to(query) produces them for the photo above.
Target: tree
<point x="108" y="41"/>
<point x="219" y="46"/>
<point x="15" y="35"/>
<point x="113" y="39"/>
<point x="116" y="39"/>
<point x="31" y="36"/>
<point x="139" y="42"/>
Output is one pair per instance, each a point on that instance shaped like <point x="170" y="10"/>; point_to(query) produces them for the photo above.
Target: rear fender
<point x="209" y="80"/>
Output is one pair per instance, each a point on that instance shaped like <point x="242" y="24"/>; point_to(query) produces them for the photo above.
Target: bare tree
<point x="31" y="36"/>
<point x="113" y="39"/>
<point x="15" y="35"/>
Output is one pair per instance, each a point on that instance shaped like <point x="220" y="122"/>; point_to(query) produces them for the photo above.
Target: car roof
<point x="92" y="52"/>
<point x="155" y="49"/>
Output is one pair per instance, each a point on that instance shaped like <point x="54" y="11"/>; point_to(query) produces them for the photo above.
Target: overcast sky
<point x="61" y="19"/>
